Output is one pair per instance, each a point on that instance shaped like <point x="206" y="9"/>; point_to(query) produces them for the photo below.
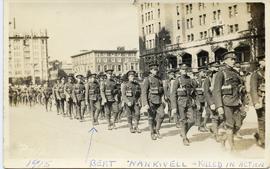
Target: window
<point x="113" y="67"/>
<point x="187" y="23"/>
<point x="190" y="8"/>
<point x="159" y="26"/>
<point x="142" y="18"/>
<point x="218" y="15"/>
<point x="153" y="28"/>
<point x="119" y="68"/>
<point x="105" y="67"/>
<point x="177" y="10"/>
<point x="158" y="13"/>
<point x="235" y="9"/>
<point x="236" y="27"/>
<point x="200" y="20"/>
<point x="201" y="35"/>
<point x="149" y="16"/>
<point x="145" y="17"/>
<point x="230" y="29"/>
<point x="191" y="23"/>
<point x="112" y="59"/>
<point x="192" y="37"/>
<point x="178" y="24"/>
<point x="150" y="44"/>
<point x="214" y="15"/>
<point x="204" y="18"/>
<point x="150" y="29"/>
<point x="187" y="9"/>
<point x="188" y="38"/>
<point x="143" y="31"/>
<point x="99" y="68"/>
<point x="200" y="5"/>
<point x="205" y="34"/>
<point x="142" y="7"/>
<point x="230" y="11"/>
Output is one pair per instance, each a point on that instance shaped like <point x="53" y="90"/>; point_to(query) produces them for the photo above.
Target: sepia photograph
<point x="135" y="84"/>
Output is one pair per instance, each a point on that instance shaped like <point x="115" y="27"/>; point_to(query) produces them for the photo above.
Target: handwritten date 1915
<point x="38" y="164"/>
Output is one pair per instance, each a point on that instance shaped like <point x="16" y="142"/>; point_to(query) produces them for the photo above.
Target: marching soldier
<point x="30" y="94"/>
<point x="109" y="94"/>
<point x="152" y="91"/>
<point x="79" y="97"/>
<point x="200" y="101"/>
<point x="61" y="95"/>
<point x="131" y="93"/>
<point x="47" y="92"/>
<point x="210" y="104"/>
<point x="167" y="92"/>
<point x="227" y="97"/>
<point x="181" y="97"/>
<point x="68" y="89"/>
<point x="101" y="77"/>
<point x="257" y="91"/>
<point x="93" y="98"/>
<point x="55" y="96"/>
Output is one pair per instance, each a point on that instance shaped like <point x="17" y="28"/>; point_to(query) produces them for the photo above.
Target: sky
<point x="75" y="25"/>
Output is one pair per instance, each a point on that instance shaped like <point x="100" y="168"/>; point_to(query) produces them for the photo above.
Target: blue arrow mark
<point x="92" y="131"/>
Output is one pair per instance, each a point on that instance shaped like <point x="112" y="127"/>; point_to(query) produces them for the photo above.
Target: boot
<point x="131" y="129"/>
<point x="153" y="136"/>
<point x="185" y="142"/>
<point x="136" y="127"/>
<point x="113" y="126"/>
<point x="202" y="128"/>
<point x="230" y="138"/>
<point x="158" y="134"/>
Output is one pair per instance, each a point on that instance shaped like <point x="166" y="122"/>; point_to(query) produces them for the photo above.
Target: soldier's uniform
<point x="55" y="96"/>
<point x="47" y="92"/>
<point x="167" y="91"/>
<point x="200" y="102"/>
<point x="257" y="91"/>
<point x="79" y="97"/>
<point x="131" y="93"/>
<point x="30" y="95"/>
<point x="181" y="97"/>
<point x="93" y="98"/>
<point x="61" y="95"/>
<point x="101" y="77"/>
<point x="208" y="87"/>
<point x="109" y="94"/>
<point x="68" y="89"/>
<point x="152" y="92"/>
<point x="227" y="98"/>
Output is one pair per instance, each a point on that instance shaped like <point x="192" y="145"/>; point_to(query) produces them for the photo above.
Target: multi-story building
<point x="120" y="60"/>
<point x="28" y="55"/>
<point x="199" y="33"/>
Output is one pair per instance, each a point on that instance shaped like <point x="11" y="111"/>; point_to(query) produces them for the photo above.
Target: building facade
<point x="200" y="33"/>
<point x="119" y="60"/>
<point x="28" y="55"/>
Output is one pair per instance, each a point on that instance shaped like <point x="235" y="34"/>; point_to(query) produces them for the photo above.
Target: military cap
<point x="131" y="72"/>
<point x="183" y="67"/>
<point x="91" y="74"/>
<point x="109" y="70"/>
<point x="101" y="74"/>
<point x="153" y="65"/>
<point x="70" y="75"/>
<point x="214" y="64"/>
<point x="79" y="76"/>
<point x="231" y="54"/>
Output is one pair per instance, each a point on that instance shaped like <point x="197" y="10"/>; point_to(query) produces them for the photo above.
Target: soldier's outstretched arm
<point x="144" y="95"/>
<point x="217" y="92"/>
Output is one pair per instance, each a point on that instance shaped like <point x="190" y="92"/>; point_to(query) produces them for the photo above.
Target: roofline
<point x="115" y="51"/>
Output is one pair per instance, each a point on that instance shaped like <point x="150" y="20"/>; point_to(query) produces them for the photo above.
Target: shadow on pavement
<point x="171" y="133"/>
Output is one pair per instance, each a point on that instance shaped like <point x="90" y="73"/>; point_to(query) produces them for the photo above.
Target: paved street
<point x="36" y="134"/>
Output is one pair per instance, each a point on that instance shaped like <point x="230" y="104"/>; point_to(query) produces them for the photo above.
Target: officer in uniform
<point x="68" y="90"/>
<point x="131" y="93"/>
<point x="92" y="97"/>
<point x="181" y="97"/>
<point x="227" y="97"/>
<point x="257" y="91"/>
<point x="55" y="96"/>
<point x="61" y="95"/>
<point x="210" y="107"/>
<point x="152" y="92"/>
<point x="167" y="92"/>
<point x="200" y="100"/>
<point x="101" y="78"/>
<point x="47" y="92"/>
<point x="109" y="93"/>
<point x="79" y="97"/>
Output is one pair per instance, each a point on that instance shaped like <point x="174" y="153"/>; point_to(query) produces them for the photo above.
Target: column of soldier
<point x="218" y="92"/>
